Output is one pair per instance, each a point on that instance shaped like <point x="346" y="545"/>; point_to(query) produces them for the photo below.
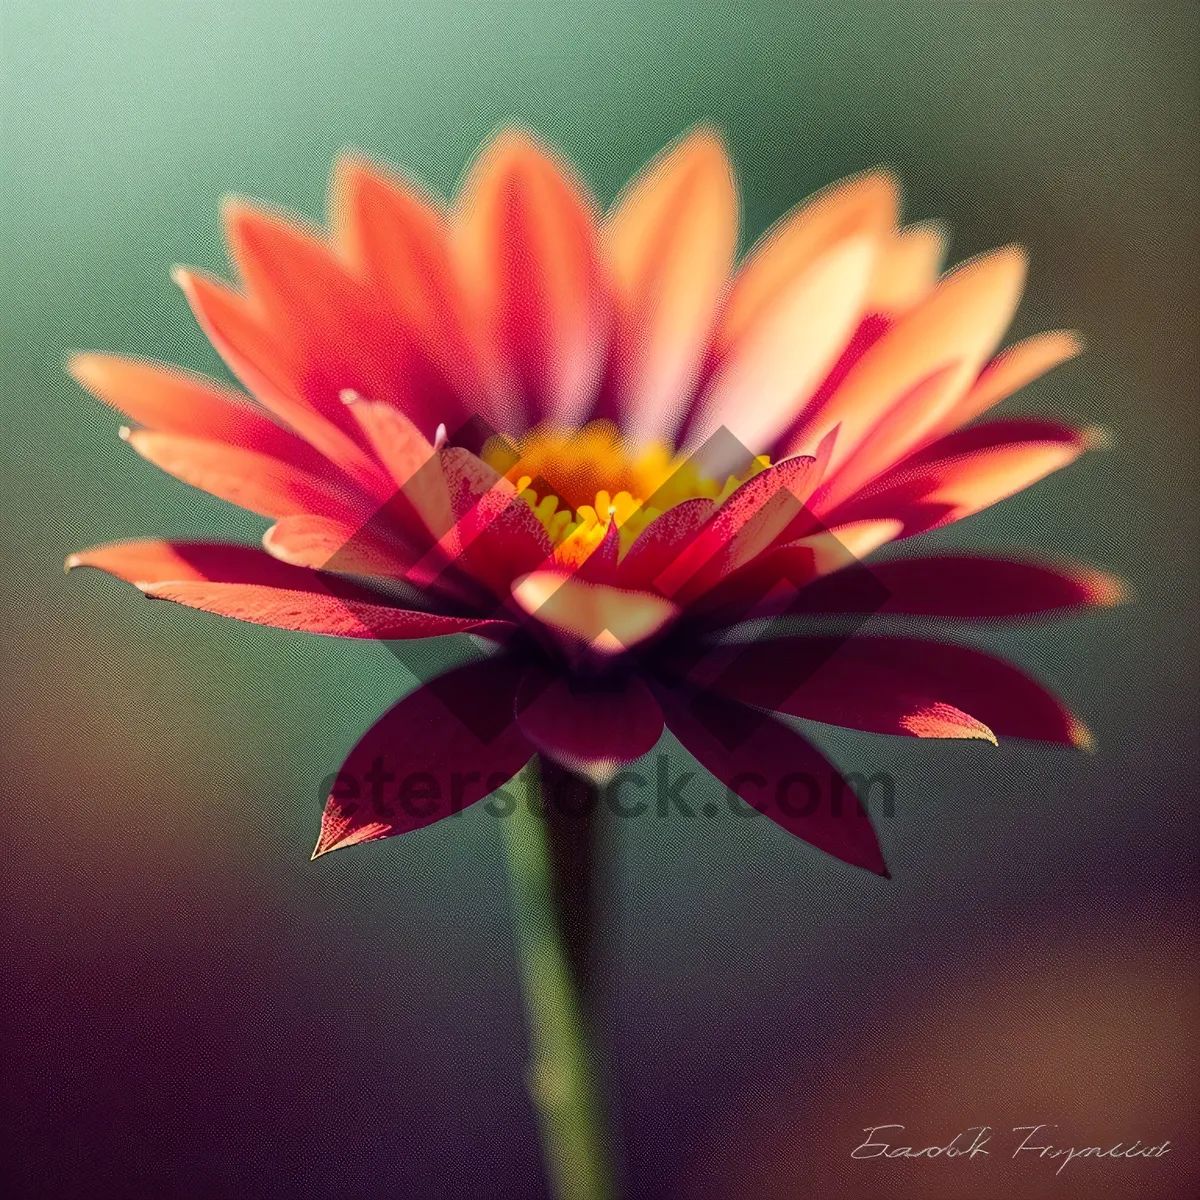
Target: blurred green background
<point x="196" y="1010"/>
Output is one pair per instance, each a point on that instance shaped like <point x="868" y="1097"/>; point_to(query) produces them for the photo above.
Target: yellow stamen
<point x="578" y="480"/>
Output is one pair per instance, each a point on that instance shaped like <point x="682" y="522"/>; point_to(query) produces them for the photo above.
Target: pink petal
<point x="662" y="541"/>
<point x="903" y="427"/>
<point x="324" y="544"/>
<point x="527" y="239"/>
<point x="787" y="350"/>
<point x="864" y="206"/>
<point x="1010" y="371"/>
<point x="967" y="471"/>
<point x="779" y="582"/>
<point x="670" y="241"/>
<point x="961" y="322"/>
<point x="745" y="525"/>
<point x="908" y="269"/>
<point x="495" y="536"/>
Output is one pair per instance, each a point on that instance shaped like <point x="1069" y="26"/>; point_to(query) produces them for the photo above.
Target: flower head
<point x="595" y="441"/>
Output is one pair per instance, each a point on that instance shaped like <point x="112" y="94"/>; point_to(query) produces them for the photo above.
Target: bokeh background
<point x="193" y="1009"/>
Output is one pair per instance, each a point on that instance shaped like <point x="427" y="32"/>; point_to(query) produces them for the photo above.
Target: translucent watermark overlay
<point x="649" y="789"/>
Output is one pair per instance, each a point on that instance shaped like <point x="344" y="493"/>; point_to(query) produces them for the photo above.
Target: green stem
<point x="562" y="1076"/>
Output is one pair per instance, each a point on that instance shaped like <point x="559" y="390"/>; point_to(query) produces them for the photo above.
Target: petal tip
<point x="183" y="278"/>
<point x="86" y="368"/>
<point x="1097" y="437"/>
<point x="1073" y="344"/>
<point x="1081" y="736"/>
<point x="1108" y="591"/>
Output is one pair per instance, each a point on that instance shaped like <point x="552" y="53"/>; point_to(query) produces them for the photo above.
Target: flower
<point x="593" y="442"/>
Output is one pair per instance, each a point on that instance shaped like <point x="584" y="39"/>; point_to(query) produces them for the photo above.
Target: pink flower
<point x="593" y="440"/>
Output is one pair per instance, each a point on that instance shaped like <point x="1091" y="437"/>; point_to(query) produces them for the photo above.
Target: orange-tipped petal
<point x="907" y="270"/>
<point x="892" y="685"/>
<point x="670" y="241"/>
<point x="991" y="476"/>
<point x="396" y="441"/>
<point x="271" y="372"/>
<point x="288" y="269"/>
<point x="812" y="678"/>
<point x="306" y="540"/>
<point x="172" y="400"/>
<point x="788" y="349"/>
<point x="396" y="237"/>
<point x="527" y="240"/>
<point x="903" y="427"/>
<point x="328" y="545"/>
<point x="863" y="206"/>
<point x="342" y="333"/>
<point x="974" y="468"/>
<point x="264" y="485"/>
<point x="961" y="322"/>
<point x="249" y="585"/>
<point x="1010" y="371"/>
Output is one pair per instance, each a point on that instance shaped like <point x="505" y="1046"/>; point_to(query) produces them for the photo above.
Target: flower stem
<point x="550" y="867"/>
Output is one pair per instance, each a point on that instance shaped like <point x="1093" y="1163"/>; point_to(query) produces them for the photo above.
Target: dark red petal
<point x="809" y="677"/>
<point x="745" y="525"/>
<point x="662" y="541"/>
<point x="446" y="745"/>
<point x="893" y="685"/>
<point x="776" y="583"/>
<point x="960" y="587"/>
<point x="495" y="537"/>
<point x="601" y="565"/>
<point x="776" y="770"/>
<point x="584" y="724"/>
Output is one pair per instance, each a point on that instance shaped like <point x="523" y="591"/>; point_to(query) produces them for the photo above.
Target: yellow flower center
<point x="578" y="480"/>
